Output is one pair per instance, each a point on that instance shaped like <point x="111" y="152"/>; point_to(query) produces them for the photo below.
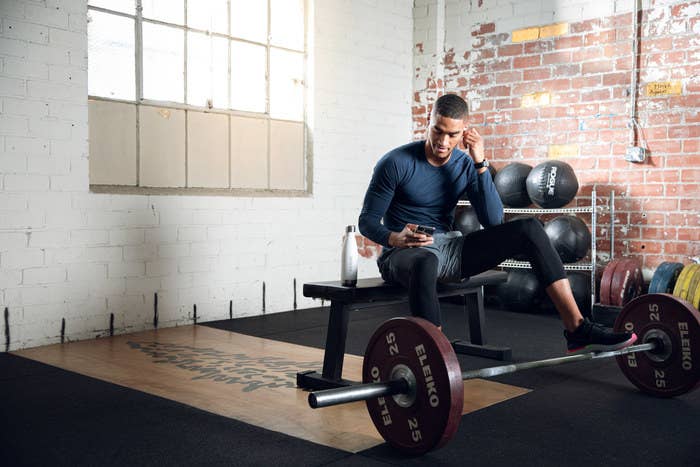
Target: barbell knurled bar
<point x="359" y="392"/>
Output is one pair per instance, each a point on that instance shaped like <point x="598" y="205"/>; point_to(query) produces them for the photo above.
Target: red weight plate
<point x="627" y="282"/>
<point x="606" y="282"/>
<point x="676" y="369"/>
<point x="636" y="287"/>
<point x="427" y="418"/>
<point x="632" y="288"/>
<point x="620" y="276"/>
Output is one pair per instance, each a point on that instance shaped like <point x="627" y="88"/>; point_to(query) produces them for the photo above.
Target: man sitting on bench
<point x="419" y="184"/>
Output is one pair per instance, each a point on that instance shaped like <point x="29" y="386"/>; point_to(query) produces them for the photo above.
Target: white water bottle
<point x="348" y="260"/>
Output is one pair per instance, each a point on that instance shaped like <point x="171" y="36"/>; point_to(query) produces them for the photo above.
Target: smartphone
<point x="424" y="229"/>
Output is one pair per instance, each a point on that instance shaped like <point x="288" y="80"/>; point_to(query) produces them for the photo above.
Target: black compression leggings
<point x="417" y="268"/>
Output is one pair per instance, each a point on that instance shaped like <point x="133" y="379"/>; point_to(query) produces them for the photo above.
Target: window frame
<point x="139" y="101"/>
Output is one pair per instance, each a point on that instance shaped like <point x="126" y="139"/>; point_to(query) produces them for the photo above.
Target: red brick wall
<point x="587" y="72"/>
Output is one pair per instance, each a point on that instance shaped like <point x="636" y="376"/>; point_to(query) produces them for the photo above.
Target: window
<point x="197" y="94"/>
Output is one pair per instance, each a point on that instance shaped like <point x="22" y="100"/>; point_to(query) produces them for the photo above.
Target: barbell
<point x="414" y="388"/>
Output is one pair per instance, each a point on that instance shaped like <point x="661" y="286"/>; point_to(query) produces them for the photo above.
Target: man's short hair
<point x="451" y="106"/>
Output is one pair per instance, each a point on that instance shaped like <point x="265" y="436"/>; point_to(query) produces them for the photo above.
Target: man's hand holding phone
<point x="412" y="235"/>
<point x="425" y="230"/>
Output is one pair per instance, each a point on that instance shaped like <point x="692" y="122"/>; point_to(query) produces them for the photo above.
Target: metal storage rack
<point x="593" y="210"/>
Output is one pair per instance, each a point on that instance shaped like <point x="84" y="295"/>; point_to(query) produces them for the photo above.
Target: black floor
<point x="580" y="414"/>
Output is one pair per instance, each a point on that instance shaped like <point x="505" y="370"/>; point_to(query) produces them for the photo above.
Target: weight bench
<point x="375" y="292"/>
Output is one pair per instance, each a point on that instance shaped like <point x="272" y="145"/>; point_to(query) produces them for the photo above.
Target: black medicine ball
<point x="569" y="236"/>
<point x="552" y="184"/>
<point x="521" y="292"/>
<point x="511" y="184"/>
<point x="466" y="220"/>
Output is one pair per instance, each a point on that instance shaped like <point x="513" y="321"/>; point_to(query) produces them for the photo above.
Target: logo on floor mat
<point x="230" y="368"/>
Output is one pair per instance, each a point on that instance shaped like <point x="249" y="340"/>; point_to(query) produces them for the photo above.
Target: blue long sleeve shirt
<point x="405" y="189"/>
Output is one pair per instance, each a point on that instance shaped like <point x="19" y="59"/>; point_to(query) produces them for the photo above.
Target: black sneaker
<point x="593" y="337"/>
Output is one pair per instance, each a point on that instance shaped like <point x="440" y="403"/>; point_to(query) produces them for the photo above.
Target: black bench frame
<point x="374" y="292"/>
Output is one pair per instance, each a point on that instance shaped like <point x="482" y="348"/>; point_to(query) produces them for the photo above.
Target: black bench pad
<point x="375" y="289"/>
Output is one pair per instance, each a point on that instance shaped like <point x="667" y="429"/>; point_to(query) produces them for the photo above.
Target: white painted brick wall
<point x="12" y="241"/>
<point x="11" y="163"/>
<point x="45" y="275"/>
<point x="49" y="239"/>
<point x="68" y="254"/>
<point x="13" y="201"/>
<point x="19" y="258"/>
<point x="21" y="219"/>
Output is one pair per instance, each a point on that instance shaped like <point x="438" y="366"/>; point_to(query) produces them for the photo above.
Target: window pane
<point x="219" y="80"/>
<point x="287" y="23"/>
<point x="124" y="6"/>
<point x="111" y="69"/>
<point x="249" y="19"/>
<point x="247" y="77"/>
<point x="209" y="15"/>
<point x="286" y="85"/>
<point x="207" y="70"/>
<point x="170" y="11"/>
<point x="198" y="68"/>
<point x="163" y="63"/>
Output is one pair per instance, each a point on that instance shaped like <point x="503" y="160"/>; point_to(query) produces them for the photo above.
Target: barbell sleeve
<point x="357" y="392"/>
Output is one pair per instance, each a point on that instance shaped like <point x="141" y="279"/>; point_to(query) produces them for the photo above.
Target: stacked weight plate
<point x="687" y="285"/>
<point x="665" y="277"/>
<point x="621" y="282"/>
